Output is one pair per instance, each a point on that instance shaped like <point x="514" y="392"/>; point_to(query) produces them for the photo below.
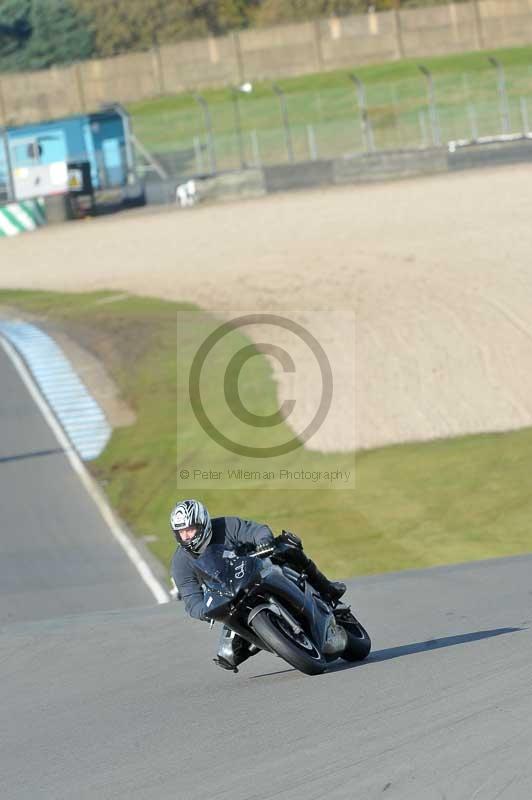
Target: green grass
<point x="466" y="93"/>
<point x="414" y="505"/>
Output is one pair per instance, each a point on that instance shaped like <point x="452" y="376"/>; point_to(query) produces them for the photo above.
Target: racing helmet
<point x="189" y="513"/>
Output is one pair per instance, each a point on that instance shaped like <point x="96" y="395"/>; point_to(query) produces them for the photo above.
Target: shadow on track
<point x="269" y="674"/>
<point x="35" y="454"/>
<point x="406" y="650"/>
<point x="423" y="647"/>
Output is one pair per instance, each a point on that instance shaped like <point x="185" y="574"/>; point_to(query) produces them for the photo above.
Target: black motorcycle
<point x="274" y="608"/>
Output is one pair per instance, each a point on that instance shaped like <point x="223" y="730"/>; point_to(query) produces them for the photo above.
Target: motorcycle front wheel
<point x="299" y="651"/>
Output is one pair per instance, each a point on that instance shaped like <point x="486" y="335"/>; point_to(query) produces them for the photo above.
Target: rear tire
<point x="358" y="641"/>
<point x="276" y="634"/>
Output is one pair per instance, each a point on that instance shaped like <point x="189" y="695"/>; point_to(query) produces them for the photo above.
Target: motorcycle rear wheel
<point x="299" y="652"/>
<point x="358" y="641"/>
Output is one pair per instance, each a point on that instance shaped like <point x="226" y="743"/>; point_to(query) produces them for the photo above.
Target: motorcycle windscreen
<point x="225" y="572"/>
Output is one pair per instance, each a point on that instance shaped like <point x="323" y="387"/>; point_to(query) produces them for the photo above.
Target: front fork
<point x="277" y="609"/>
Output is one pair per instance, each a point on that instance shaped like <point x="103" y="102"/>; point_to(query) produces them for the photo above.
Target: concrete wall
<point x="324" y="44"/>
<point x="362" y="168"/>
<point x="365" y="168"/>
<point x="390" y="165"/>
<point x="284" y="177"/>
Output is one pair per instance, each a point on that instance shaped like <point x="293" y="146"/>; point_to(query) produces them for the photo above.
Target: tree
<point x="50" y="32"/>
<point x="270" y="12"/>
<point x="59" y="35"/>
<point x="15" y="31"/>
<point x="124" y="25"/>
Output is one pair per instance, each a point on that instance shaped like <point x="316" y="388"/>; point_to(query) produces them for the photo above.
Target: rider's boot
<point x="222" y="662"/>
<point x="233" y="650"/>
<point x="329" y="590"/>
<point x="292" y="553"/>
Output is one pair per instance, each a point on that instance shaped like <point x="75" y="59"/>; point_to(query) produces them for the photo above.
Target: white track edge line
<point x="141" y="565"/>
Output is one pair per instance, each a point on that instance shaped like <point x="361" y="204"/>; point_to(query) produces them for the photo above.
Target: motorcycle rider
<point x="194" y="531"/>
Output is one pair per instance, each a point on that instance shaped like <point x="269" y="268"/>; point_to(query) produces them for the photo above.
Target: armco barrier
<point x="489" y="155"/>
<point x="19" y="217"/>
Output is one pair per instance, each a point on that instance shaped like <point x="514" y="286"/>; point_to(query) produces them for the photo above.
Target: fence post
<point x="472" y="112"/>
<point x="257" y="161"/>
<point x="397" y="124"/>
<point x="208" y="129"/>
<point x="423" y="129"/>
<point x="503" y="95"/>
<point x="433" y="111"/>
<point x="524" y="115"/>
<point x="199" y="155"/>
<point x="238" y="126"/>
<point x="286" y="123"/>
<point x="365" y="123"/>
<point x="311" y="138"/>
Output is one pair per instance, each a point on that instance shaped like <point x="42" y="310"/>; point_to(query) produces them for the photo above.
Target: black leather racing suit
<point x="229" y="531"/>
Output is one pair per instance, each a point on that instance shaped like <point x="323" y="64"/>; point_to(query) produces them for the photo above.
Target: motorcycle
<point x="274" y="608"/>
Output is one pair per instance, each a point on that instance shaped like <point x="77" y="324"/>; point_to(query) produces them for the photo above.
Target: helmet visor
<point x="188" y="533"/>
<point x="191" y="536"/>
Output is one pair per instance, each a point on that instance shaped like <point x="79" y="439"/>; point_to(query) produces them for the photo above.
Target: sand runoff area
<point x="420" y="292"/>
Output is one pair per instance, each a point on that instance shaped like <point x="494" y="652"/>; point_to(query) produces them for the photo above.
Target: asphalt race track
<point x="57" y="555"/>
<point x="129" y="705"/>
<point x="105" y="696"/>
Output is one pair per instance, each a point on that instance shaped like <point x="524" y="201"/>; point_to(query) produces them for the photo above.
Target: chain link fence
<point x="251" y="128"/>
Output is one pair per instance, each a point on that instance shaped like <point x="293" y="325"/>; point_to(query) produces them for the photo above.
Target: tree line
<point x="35" y="34"/>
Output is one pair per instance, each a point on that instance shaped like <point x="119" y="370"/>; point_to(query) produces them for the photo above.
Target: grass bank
<point x="414" y="505"/>
<point x="323" y="112"/>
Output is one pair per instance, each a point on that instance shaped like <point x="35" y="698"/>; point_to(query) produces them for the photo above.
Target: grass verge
<point x="415" y="505"/>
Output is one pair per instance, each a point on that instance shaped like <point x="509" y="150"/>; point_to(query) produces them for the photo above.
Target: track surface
<point x="57" y="555"/>
<point x="129" y="705"/>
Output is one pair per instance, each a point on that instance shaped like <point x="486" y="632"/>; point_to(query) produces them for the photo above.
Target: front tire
<point x="299" y="652"/>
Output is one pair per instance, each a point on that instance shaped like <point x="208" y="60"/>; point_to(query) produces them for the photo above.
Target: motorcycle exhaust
<point x="336" y="639"/>
<point x="280" y="611"/>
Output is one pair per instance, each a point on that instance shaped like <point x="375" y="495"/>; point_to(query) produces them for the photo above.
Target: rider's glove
<point x="289" y="539"/>
<point x="289" y="549"/>
<point x="245" y="548"/>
